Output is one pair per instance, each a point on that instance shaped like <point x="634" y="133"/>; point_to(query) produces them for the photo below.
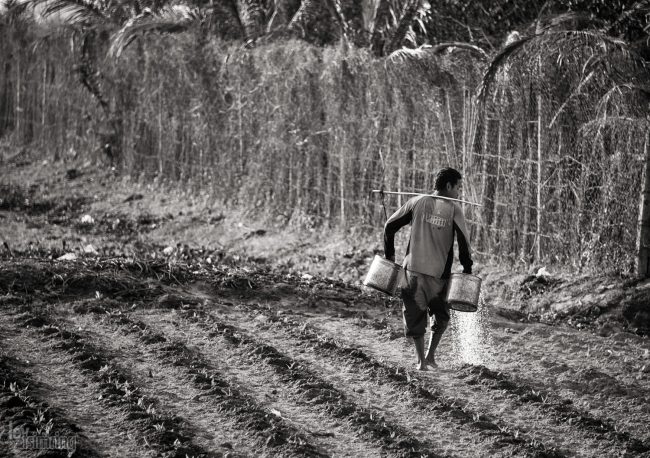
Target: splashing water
<point x="470" y="332"/>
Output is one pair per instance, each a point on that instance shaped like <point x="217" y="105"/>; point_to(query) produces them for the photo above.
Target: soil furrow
<point x="162" y="432"/>
<point x="68" y="390"/>
<point x="601" y="430"/>
<point x="596" y="374"/>
<point x="27" y="418"/>
<point x="313" y="389"/>
<point x="174" y="382"/>
<point x="588" y="386"/>
<point x="170" y="384"/>
<point x="496" y="433"/>
<point x="608" y="352"/>
<point x="583" y="362"/>
<point x="273" y="434"/>
<point x="560" y="409"/>
<point x="267" y="388"/>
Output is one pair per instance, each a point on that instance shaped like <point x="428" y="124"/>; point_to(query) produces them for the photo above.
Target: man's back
<point x="433" y="223"/>
<point x="432" y="236"/>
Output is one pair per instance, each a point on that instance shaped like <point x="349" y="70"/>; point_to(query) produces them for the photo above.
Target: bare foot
<point x="431" y="363"/>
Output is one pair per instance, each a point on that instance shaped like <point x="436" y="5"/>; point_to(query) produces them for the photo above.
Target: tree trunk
<point x="494" y="239"/>
<point x="91" y="80"/>
<point x="482" y="228"/>
<point x="643" y="240"/>
<point x="313" y="22"/>
<point x="408" y="14"/>
<point x="43" y="97"/>
<point x="251" y="16"/>
<point x="539" y="205"/>
<point x="352" y="14"/>
<point x="19" y="109"/>
<point x="342" y="180"/>
<point x="283" y="11"/>
<point x="379" y="26"/>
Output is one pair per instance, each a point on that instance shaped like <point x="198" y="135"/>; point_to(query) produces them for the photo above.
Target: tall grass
<point x="301" y="135"/>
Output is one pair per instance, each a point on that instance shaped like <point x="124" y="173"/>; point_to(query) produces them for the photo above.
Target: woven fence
<point x="301" y="135"/>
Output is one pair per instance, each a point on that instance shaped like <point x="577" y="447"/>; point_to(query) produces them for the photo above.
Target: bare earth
<point x="179" y="328"/>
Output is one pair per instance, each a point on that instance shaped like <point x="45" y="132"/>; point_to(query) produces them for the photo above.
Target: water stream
<point x="471" y="336"/>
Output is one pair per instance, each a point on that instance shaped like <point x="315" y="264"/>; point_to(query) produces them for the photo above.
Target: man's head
<point x="448" y="182"/>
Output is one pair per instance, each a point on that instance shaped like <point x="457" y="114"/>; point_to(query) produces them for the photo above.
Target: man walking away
<point x="429" y="258"/>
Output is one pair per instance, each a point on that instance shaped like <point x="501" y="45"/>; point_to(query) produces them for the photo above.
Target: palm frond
<point x="632" y="125"/>
<point x="550" y="44"/>
<point x="336" y="12"/>
<point x="377" y="21"/>
<point x="313" y="22"/>
<point x="222" y="18"/>
<point x="252" y="16"/>
<point x="73" y="11"/>
<point x="420" y="65"/>
<point x="309" y="11"/>
<point x="403" y="25"/>
<point x="460" y="45"/>
<point x="573" y="20"/>
<point x="14" y="9"/>
<point x="641" y="8"/>
<point x="639" y="94"/>
<point x="168" y="20"/>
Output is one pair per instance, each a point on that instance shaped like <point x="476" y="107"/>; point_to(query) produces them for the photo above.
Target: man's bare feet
<point x="426" y="364"/>
<point x="431" y="362"/>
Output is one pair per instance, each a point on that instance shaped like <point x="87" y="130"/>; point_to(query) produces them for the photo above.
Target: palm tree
<point x="16" y="26"/>
<point x="556" y="80"/>
<point x="93" y="22"/>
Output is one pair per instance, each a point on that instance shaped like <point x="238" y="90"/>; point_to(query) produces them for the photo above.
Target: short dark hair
<point x="446" y="175"/>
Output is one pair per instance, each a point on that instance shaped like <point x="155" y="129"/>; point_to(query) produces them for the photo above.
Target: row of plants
<point x="310" y="389"/>
<point x="424" y="398"/>
<point x="161" y="431"/>
<point x="560" y="409"/>
<point x="269" y="431"/>
<point x="24" y="414"/>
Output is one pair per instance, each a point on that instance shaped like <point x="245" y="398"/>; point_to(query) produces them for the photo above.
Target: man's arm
<point x="462" y="236"/>
<point x="399" y="219"/>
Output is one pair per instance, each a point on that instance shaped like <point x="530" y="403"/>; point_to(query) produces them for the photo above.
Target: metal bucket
<point x="463" y="292"/>
<point x="384" y="275"/>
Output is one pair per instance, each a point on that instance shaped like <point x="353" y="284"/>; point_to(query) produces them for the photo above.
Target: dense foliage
<point x="268" y="120"/>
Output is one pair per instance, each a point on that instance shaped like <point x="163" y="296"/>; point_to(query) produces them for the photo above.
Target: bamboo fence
<point x="301" y="135"/>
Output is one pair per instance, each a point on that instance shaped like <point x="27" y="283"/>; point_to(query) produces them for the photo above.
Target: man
<point x="428" y="260"/>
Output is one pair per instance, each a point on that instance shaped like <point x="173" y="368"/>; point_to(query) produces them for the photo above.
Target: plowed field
<point x="203" y="352"/>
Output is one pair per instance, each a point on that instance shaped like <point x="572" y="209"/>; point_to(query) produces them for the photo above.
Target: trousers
<point x="422" y="296"/>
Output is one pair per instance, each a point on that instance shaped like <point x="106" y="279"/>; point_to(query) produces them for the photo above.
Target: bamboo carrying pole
<point x="430" y="195"/>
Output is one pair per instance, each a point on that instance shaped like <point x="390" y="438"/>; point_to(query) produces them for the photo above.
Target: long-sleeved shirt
<point x="431" y="245"/>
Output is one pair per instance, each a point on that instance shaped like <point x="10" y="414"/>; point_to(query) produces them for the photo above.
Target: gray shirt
<point x="433" y="225"/>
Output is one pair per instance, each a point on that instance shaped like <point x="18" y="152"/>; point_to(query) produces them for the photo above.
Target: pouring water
<point x="471" y="337"/>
